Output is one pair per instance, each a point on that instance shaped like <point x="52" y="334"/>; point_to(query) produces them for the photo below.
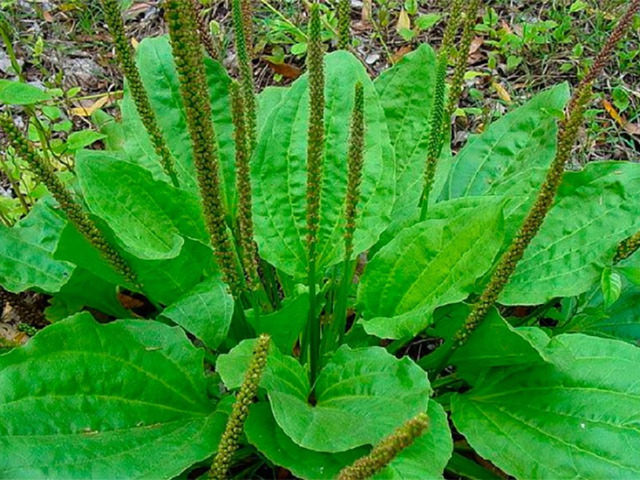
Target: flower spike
<point x="567" y="135"/>
<point x="435" y="139"/>
<point x="462" y="56"/>
<point x="209" y="44"/>
<point x="74" y="211"/>
<point x="235" y="425"/>
<point x="344" y="24"/>
<point x="355" y="163"/>
<point x="125" y="54"/>
<point x="315" y="158"/>
<point x="242" y="28"/>
<point x="243" y="186"/>
<point x="188" y="57"/>
<point x="386" y="450"/>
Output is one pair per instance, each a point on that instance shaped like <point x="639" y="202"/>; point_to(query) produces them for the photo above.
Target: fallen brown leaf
<point x="401" y="52"/>
<point x="502" y="92"/>
<point x="284" y="69"/>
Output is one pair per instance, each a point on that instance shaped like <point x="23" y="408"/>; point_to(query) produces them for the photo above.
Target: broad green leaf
<point x="579" y="237"/>
<point x="279" y="172"/>
<point x="468" y="469"/>
<point x="406" y="94"/>
<point x="495" y="343"/>
<point x="163" y="281"/>
<point x="513" y="152"/>
<point x="205" y="311"/>
<point x="620" y="320"/>
<point x="85" y="289"/>
<point x="434" y="263"/>
<point x="367" y="389"/>
<point x="425" y="459"/>
<point x="611" y="284"/>
<point x="149" y="216"/>
<point x="78" y="140"/>
<point x="266" y="435"/>
<point x="575" y="418"/>
<point x="122" y="400"/>
<point x="285" y="325"/>
<point x="112" y="130"/>
<point x="26" y="253"/>
<point x="18" y="93"/>
<point x="268" y="100"/>
<point x="630" y="268"/>
<point x="158" y="73"/>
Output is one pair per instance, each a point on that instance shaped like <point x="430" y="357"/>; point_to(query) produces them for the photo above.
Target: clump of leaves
<point x="522" y="280"/>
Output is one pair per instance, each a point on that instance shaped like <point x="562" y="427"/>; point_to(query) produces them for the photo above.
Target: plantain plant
<point x="306" y="282"/>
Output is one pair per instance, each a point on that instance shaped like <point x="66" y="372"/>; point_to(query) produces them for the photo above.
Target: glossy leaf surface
<point x="592" y="214"/>
<point x="280" y="165"/>
<point x="576" y="417"/>
<point x="406" y="94"/>
<point x="431" y="264"/>
<point x="125" y="400"/>
<point x="205" y="311"/>
<point x="353" y="388"/>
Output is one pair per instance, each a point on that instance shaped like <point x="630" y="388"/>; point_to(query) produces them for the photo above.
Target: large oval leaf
<point x="425" y="459"/>
<point x="406" y="94"/>
<point x="431" y="264"/>
<point x="149" y="217"/>
<point x="158" y="73"/>
<point x="517" y="148"/>
<point x="594" y="211"/>
<point x="26" y="253"/>
<point x="367" y="389"/>
<point x="205" y="311"/>
<point x="575" y="418"/>
<point x="123" y="400"/>
<point x="279" y="171"/>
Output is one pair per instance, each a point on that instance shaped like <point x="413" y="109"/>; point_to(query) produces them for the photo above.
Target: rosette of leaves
<point x="551" y="393"/>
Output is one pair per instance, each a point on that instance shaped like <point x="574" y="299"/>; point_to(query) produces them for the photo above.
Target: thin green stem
<point x="315" y="160"/>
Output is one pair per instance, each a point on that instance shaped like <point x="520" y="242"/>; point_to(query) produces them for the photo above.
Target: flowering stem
<point x="567" y="135"/>
<point x="125" y="54"/>
<point x="435" y="139"/>
<point x="315" y="156"/>
<point x="245" y="397"/>
<point x="462" y="56"/>
<point x="386" y="450"/>
<point x="73" y="210"/>
<point x="189" y="60"/>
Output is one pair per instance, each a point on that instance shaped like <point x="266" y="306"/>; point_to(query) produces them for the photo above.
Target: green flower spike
<point x="188" y="58"/>
<point x="462" y="56"/>
<point x="74" y="211"/>
<point x="235" y="425"/>
<point x="567" y="134"/>
<point x="387" y="450"/>
<point x="243" y="187"/>
<point x="435" y="140"/>
<point x="355" y="163"/>
<point x="344" y="24"/>
<point x="242" y="28"/>
<point x="125" y="54"/>
<point x="315" y="156"/>
<point x="209" y="44"/>
<point x="452" y="27"/>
